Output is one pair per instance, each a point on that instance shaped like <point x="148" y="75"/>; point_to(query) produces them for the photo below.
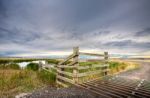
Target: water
<point x="24" y="64"/>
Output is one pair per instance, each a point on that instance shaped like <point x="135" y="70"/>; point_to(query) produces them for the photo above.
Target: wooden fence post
<point x="75" y="59"/>
<point x="106" y="61"/>
<point x="40" y="66"/>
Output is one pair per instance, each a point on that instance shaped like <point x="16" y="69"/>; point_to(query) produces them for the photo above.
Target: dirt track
<point x="141" y="73"/>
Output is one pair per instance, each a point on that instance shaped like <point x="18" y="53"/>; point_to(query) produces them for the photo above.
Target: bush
<point x="33" y="66"/>
<point x="4" y="61"/>
<point x="47" y="77"/>
<point x="10" y="66"/>
<point x="14" y="66"/>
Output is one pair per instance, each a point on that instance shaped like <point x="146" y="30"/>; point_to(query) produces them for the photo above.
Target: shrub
<point x="47" y="76"/>
<point x="33" y="66"/>
<point x="10" y="66"/>
<point x="14" y="66"/>
<point x="4" y="61"/>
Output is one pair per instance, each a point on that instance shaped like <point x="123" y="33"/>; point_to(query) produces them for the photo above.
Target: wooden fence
<point x="69" y="70"/>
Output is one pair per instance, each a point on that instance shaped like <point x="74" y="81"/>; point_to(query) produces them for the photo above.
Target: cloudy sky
<point x="53" y="27"/>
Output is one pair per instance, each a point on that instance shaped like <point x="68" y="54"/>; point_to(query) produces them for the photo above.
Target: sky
<point x="54" y="27"/>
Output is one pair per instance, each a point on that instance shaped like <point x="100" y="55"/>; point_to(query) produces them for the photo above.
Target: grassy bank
<point x="120" y="66"/>
<point x="13" y="81"/>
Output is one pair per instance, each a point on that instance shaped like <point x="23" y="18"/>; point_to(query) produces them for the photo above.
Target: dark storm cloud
<point x="61" y="24"/>
<point x="129" y="44"/>
<point x="17" y="36"/>
<point x="2" y="10"/>
<point x="124" y="43"/>
<point x="145" y="32"/>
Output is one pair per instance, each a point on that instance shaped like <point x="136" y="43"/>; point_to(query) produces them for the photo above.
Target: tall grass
<point x="47" y="77"/>
<point x="119" y="66"/>
<point x="33" y="66"/>
<point x="13" y="82"/>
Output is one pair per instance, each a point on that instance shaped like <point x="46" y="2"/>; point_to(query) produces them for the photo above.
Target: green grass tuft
<point x="33" y="66"/>
<point x="47" y="77"/>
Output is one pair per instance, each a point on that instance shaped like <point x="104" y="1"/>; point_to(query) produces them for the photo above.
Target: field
<point x="14" y="80"/>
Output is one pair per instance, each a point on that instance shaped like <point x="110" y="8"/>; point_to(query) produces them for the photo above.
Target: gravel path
<point x="141" y="73"/>
<point x="72" y="92"/>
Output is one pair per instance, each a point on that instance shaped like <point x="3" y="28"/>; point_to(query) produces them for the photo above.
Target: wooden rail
<point x="75" y="73"/>
<point x="91" y="54"/>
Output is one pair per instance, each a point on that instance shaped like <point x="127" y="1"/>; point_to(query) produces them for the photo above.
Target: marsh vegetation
<point x="14" y="80"/>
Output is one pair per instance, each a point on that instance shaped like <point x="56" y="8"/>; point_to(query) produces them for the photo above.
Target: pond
<point x="24" y="64"/>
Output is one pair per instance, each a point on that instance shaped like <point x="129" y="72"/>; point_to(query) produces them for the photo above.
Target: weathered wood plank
<point x="65" y="79"/>
<point x="92" y="54"/>
<point x="61" y="83"/>
<point x="89" y="73"/>
<point x="75" y="59"/>
<point x="67" y="59"/>
<point x="93" y="66"/>
<point x="65" y="73"/>
<point x="92" y="73"/>
<point x="72" y="63"/>
<point x="64" y="66"/>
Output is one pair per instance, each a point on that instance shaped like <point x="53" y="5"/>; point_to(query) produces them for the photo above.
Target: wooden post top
<point x="75" y="50"/>
<point x="106" y="57"/>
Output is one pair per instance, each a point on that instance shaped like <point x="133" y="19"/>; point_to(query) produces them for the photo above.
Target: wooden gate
<point x="69" y="71"/>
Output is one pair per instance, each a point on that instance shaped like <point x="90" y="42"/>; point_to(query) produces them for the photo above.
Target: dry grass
<point x="13" y="82"/>
<point x="123" y="66"/>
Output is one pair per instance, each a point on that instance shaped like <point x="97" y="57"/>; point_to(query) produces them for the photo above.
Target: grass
<point x="9" y="66"/>
<point x="47" y="77"/>
<point x="33" y="66"/>
<point x="119" y="66"/>
<point x="52" y="61"/>
<point x="13" y="82"/>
